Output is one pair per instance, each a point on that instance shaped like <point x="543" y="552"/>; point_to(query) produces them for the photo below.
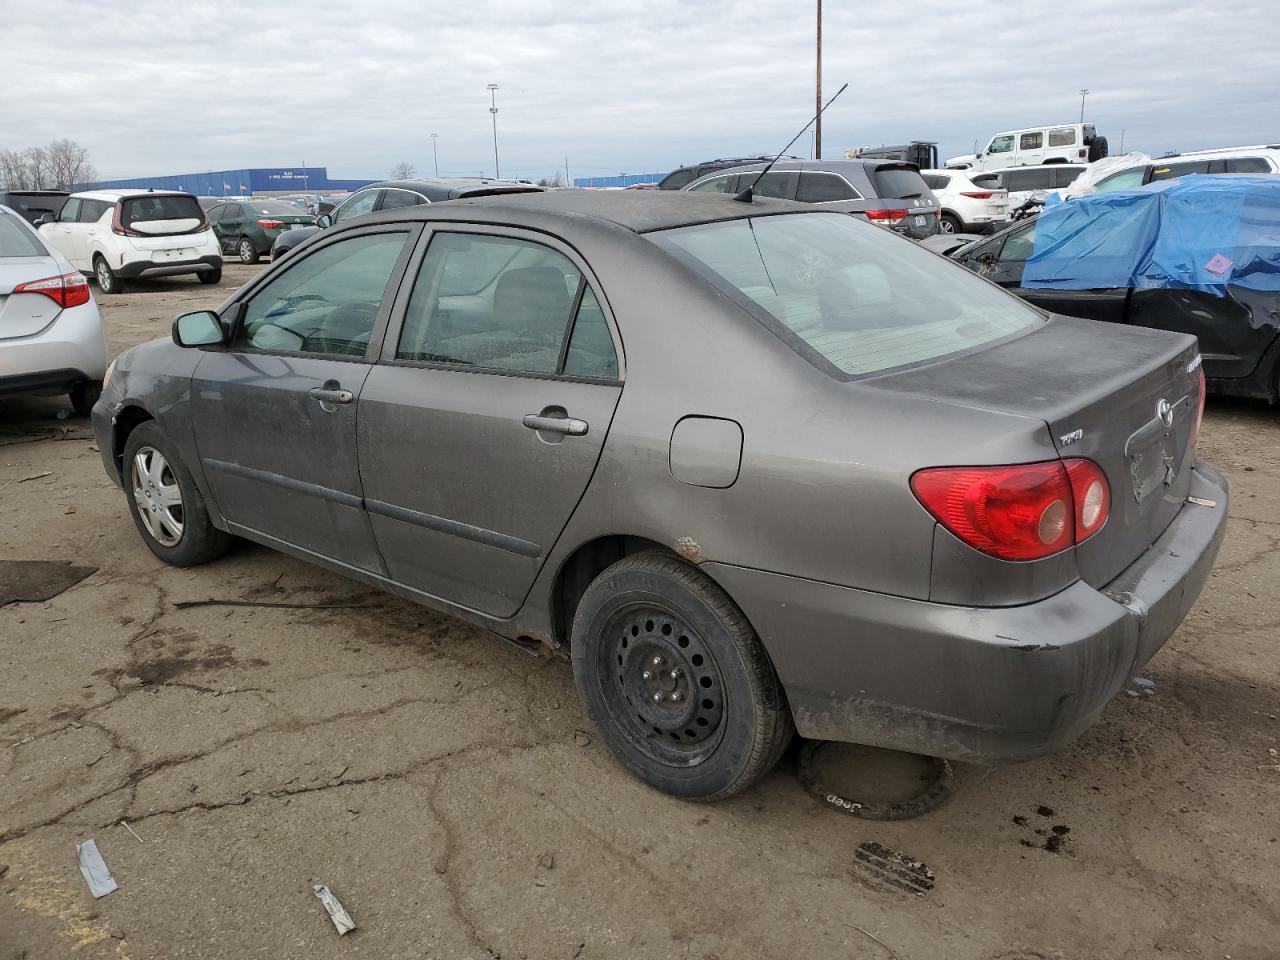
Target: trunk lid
<point x="26" y="314"/>
<point x="1124" y="397"/>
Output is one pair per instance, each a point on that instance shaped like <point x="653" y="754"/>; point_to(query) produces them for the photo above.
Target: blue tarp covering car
<point x="1200" y="233"/>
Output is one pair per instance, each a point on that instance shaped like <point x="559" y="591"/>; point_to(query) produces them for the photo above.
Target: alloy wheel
<point x="664" y="686"/>
<point x="104" y="276"/>
<point x="157" y="495"/>
<point x="246" y="251"/>
<point x="947" y="226"/>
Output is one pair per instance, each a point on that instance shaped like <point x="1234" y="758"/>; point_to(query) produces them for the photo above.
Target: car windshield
<point x="16" y="240"/>
<point x="848" y="295"/>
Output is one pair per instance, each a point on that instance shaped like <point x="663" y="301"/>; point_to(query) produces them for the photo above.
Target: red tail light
<point x="68" y="290"/>
<point x="887" y="216"/>
<point x="1195" y="424"/>
<point x="1022" y="512"/>
<point x="118" y="227"/>
<point x="271" y="224"/>
<point x="977" y="194"/>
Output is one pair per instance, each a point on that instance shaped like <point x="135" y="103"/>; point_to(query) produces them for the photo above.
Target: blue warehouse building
<point x="217" y="183"/>
<point x="622" y="180"/>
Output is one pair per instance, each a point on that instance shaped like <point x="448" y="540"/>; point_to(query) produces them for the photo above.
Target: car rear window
<point x="161" y="213"/>
<point x="16" y="240"/>
<point x="275" y="208"/>
<point x="898" y="183"/>
<point x="677" y="179"/>
<point x="846" y="296"/>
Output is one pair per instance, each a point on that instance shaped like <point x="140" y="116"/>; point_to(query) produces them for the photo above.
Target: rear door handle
<point x="325" y="395"/>
<point x="569" y="426"/>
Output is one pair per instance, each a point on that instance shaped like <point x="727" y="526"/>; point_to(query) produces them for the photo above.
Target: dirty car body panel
<point x="732" y="432"/>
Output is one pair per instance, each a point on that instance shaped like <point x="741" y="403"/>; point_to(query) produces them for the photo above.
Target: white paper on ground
<point x="94" y="869"/>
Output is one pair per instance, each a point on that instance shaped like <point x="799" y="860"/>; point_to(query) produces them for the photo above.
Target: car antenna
<point x="746" y="195"/>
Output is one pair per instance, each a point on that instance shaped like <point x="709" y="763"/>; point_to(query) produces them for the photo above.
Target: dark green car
<point x="248" y="228"/>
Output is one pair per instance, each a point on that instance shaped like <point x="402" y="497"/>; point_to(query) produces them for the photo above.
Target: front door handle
<point x="327" y="395"/>
<point x="570" y="426"/>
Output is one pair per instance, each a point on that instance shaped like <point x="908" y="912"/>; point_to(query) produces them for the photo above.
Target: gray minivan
<point x="890" y="193"/>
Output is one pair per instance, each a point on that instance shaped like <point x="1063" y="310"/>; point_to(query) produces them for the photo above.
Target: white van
<point x="1031" y="146"/>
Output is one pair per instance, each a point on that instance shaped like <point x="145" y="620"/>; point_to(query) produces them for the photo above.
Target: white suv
<point x="966" y="206"/>
<point x="121" y="235"/>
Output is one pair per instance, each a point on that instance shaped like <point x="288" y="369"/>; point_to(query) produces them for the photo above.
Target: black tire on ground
<point x="109" y="282"/>
<point x="1097" y="149"/>
<point x="84" y="395"/>
<point x="950" y="223"/>
<point x="211" y="277"/>
<point x="199" y="541"/>
<point x="676" y="681"/>
<point x="246" y="251"/>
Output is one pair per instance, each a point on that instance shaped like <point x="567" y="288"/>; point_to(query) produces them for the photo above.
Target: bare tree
<point x="69" y="164"/>
<point x="403" y="171"/>
<point x="13" y="170"/>
<point x="37" y="160"/>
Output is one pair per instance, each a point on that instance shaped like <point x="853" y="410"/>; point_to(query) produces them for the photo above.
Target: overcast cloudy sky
<point x="175" y="87"/>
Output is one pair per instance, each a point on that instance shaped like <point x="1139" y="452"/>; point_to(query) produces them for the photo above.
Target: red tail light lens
<point x="68" y="290"/>
<point x="977" y="194"/>
<point x="1195" y="424"/>
<point x="271" y="224"/>
<point x="886" y="216"/>
<point x="1022" y="512"/>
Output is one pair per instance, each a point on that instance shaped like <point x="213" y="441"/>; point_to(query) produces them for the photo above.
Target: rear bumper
<point x="978" y="684"/>
<point x="134" y="269"/>
<point x="70" y="349"/>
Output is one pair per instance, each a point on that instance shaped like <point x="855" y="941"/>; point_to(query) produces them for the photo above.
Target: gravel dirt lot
<point x="447" y="787"/>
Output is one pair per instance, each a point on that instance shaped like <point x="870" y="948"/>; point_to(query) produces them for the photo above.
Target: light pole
<point x="1083" y="94"/>
<point x="493" y="109"/>
<point x="1122" y="141"/>
<point x="435" y="157"/>
<point x="817" y="126"/>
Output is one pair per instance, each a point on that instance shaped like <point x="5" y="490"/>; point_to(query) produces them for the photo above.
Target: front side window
<point x="1062" y="136"/>
<point x="846" y="295"/>
<point x="1064" y="176"/>
<point x="1124" y="180"/>
<point x="780" y="185"/>
<point x="1019" y="245"/>
<point x="722" y="184"/>
<point x="1031" y="141"/>
<point x="70" y="212"/>
<point x="91" y="211"/>
<point x="356" y="205"/>
<point x="1172" y="171"/>
<point x="824" y="188"/>
<point x="327" y="302"/>
<point x="1002" y="144"/>
<point x="485" y="301"/>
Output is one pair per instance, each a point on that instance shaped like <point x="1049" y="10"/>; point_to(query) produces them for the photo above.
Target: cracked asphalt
<point x="448" y="789"/>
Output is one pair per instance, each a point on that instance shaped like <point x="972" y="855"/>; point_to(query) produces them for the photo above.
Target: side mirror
<point x="324" y="220"/>
<point x="199" y="329"/>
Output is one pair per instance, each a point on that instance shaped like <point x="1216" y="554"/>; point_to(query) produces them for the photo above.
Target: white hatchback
<point x="966" y="206"/>
<point x="51" y="338"/>
<point x="122" y="235"/>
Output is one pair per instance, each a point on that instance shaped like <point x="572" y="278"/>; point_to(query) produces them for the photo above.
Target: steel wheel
<point x="667" y="691"/>
<point x="158" y="496"/>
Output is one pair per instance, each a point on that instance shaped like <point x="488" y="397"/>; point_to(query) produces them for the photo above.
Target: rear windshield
<point x="162" y="213"/>
<point x="16" y="240"/>
<point x="851" y="298"/>
<point x="899" y="183"/>
<point x="274" y="208"/>
<point x="677" y="179"/>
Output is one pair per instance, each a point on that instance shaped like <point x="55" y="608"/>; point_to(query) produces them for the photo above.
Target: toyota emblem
<point x="1164" y="410"/>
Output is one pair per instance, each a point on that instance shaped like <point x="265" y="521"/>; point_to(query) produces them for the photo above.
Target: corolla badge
<point x="1164" y="410"/>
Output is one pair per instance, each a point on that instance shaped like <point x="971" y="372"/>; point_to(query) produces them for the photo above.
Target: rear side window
<point x="1062" y="136"/>
<point x="846" y="296"/>
<point x="1065" y="176"/>
<point x="676" y="179"/>
<point x="161" y="214"/>
<point x="1031" y="141"/>
<point x="16" y="240"/>
<point x="936" y="181"/>
<point x="1172" y="171"/>
<point x="898" y="183"/>
<point x="1015" y="180"/>
<point x="327" y="302"/>
<point x="824" y="188"/>
<point x="394" y="199"/>
<point x="988" y="181"/>
<point x="1248" y="165"/>
<point x="591" y="352"/>
<point x="512" y="318"/>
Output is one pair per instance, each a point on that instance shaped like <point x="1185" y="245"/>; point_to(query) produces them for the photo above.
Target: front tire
<point x="166" y="505"/>
<point x="211" y="277"/>
<point x="950" y="223"/>
<point x="109" y="281"/>
<point x="676" y="681"/>
<point x="247" y="252"/>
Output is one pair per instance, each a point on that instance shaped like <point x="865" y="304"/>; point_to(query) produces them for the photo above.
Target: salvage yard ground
<point x="447" y="787"/>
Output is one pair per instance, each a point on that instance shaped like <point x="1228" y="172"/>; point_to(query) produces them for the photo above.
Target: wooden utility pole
<point x="817" y="132"/>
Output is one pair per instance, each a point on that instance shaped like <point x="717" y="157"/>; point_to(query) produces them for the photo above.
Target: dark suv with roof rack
<point x="890" y="193"/>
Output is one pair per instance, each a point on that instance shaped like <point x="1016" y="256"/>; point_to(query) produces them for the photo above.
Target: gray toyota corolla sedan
<point x="760" y="467"/>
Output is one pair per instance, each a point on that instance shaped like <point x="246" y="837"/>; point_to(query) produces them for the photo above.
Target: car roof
<point x="639" y="211"/>
<point x="124" y="194"/>
<point x="1260" y="148"/>
<point x="446" y="188"/>
<point x="1030" y="166"/>
<point x="35" y="193"/>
